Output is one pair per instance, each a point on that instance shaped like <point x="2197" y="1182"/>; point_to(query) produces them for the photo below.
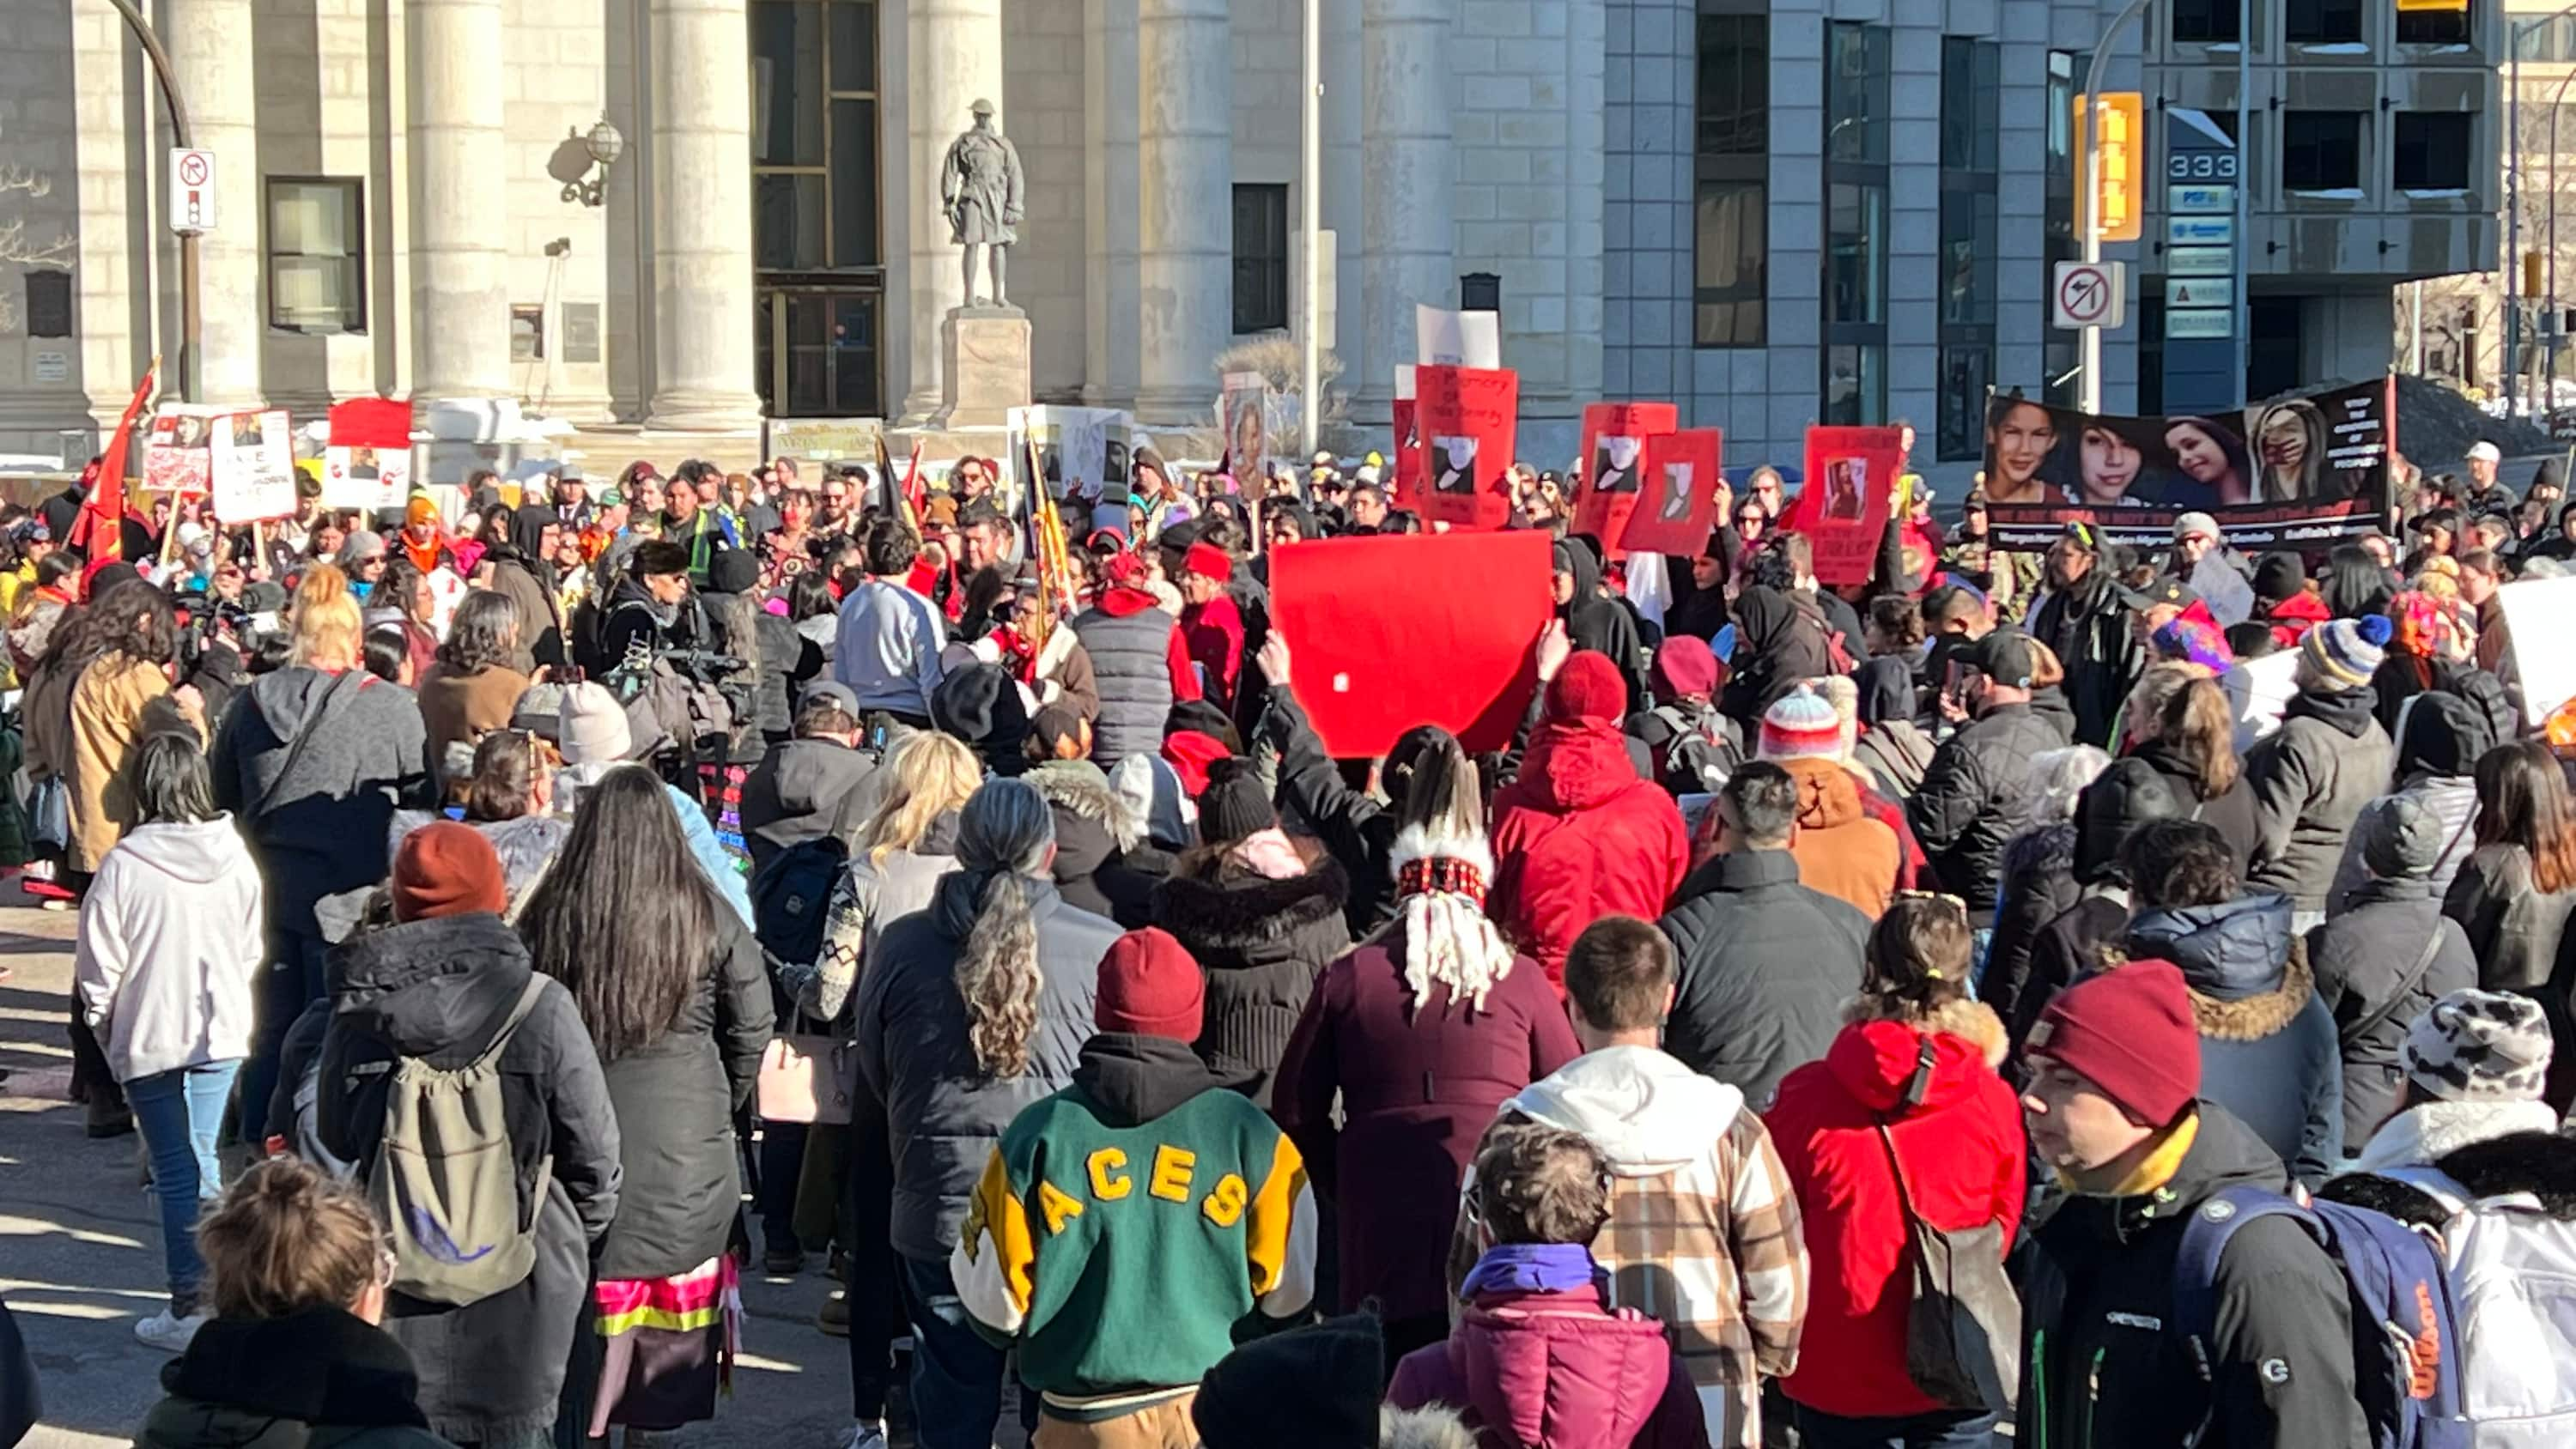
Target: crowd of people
<point x="1998" y="999"/>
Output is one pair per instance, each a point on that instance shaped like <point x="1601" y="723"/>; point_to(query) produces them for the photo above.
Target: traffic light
<point x="2119" y="168"/>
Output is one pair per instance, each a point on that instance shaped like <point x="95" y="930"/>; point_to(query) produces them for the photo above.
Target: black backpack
<point x="789" y="896"/>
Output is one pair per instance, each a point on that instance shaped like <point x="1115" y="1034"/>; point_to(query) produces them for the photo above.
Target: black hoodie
<point x="1602" y="625"/>
<point x="321" y="1376"/>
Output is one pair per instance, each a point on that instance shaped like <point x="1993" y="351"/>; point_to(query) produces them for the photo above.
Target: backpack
<point x="444" y="1181"/>
<point x="2512" y="1270"/>
<point x="1699" y="755"/>
<point x="2405" y="1346"/>
<point x="789" y="894"/>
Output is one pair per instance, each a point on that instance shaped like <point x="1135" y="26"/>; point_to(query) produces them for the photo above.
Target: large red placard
<point x="1843" y="508"/>
<point x="1614" y="464"/>
<point x="1467" y="418"/>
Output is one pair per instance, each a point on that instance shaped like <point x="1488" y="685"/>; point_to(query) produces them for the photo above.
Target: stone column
<point x="1109" y="307"/>
<point x="460" y="272"/>
<point x="1410" y="172"/>
<point x="211" y="51"/>
<point x="1185" y="197"/>
<point x="955" y="60"/>
<point x="702" y="335"/>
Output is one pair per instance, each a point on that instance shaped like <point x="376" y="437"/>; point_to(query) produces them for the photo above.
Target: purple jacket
<point x="1554" y="1371"/>
<point x="1419" y="1087"/>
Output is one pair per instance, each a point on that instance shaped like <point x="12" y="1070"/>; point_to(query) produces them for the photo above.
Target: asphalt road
<point x="80" y="1254"/>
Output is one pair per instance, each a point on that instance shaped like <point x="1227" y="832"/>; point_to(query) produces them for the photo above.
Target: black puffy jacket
<point x="2378" y="964"/>
<point x="1262" y="943"/>
<point x="1978" y="794"/>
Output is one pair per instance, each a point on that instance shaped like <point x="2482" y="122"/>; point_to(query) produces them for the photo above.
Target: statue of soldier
<point x="985" y="196"/>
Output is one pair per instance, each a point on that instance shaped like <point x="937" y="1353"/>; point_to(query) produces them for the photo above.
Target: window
<point x="2205" y="22"/>
<point x="1730" y="233"/>
<point x="49" y="303"/>
<point x="2449" y="27"/>
<point x="2061" y="348"/>
<point x="317" y="267"/>
<point x="1260" y="257"/>
<point x="816" y="253"/>
<point x="2322" y="22"/>
<point x="1854" y="382"/>
<point x="1970" y="158"/>
<point x="2432" y="151"/>
<point x="2321" y="150"/>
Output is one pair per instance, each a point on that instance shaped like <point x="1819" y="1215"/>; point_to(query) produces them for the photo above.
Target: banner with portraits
<point x="1082" y="452"/>
<point x="1842" y="507"/>
<point x="367" y="462"/>
<point x="177" y="457"/>
<point x="254" y="466"/>
<point x="1676" y="506"/>
<point x="1614" y="463"/>
<point x="1468" y="418"/>
<point x="2302" y="472"/>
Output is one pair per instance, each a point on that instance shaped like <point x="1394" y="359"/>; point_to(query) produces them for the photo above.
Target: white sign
<point x="2200" y="261"/>
<point x="1457" y="339"/>
<point x="192" y="190"/>
<point x="2200" y="292"/>
<point x="53" y="365"/>
<point x="2088" y="294"/>
<point x="2544" y="648"/>
<point x="2200" y="231"/>
<point x="2215" y="324"/>
<point x="2185" y="200"/>
<point x="254" y="466"/>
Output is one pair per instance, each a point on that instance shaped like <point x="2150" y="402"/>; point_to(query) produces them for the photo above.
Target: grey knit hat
<point x="2398" y="838"/>
<point x="2478" y="1046"/>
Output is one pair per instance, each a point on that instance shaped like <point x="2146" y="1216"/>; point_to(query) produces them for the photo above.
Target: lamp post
<point x="2088" y="193"/>
<point x="1311" y="182"/>
<point x="2513" y="194"/>
<point x="191" y="326"/>
<point x="2550" y="334"/>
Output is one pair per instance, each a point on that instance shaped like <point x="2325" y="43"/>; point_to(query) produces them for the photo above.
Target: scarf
<point x="1268" y="854"/>
<point x="1530" y="1268"/>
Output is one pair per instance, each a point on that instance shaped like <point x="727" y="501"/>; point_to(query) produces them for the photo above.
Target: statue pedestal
<point x="986" y="352"/>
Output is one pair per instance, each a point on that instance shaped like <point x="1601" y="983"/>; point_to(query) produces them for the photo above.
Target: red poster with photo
<point x="1676" y="505"/>
<point x="1614" y="464"/>
<point x="1388" y="633"/>
<point x="1406" y="472"/>
<point x="1468" y="419"/>
<point x="1843" y="507"/>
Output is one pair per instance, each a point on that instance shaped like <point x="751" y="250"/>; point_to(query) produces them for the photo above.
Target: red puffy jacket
<point x="1577" y="836"/>
<point x="1963" y="1153"/>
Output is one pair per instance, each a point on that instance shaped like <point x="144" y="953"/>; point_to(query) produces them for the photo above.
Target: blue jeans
<point x="178" y="1112"/>
<point x="1943" y="1429"/>
<point x="957" y="1377"/>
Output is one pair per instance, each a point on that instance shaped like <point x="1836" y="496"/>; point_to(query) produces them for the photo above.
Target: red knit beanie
<point x="446" y="869"/>
<point x="1149" y="985"/>
<point x="1209" y="562"/>
<point x="2129" y="1031"/>
<point x="1189" y="753"/>
<point x="1588" y="687"/>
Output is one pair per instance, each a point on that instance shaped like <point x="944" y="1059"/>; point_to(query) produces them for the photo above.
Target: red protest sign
<point x="1677" y="503"/>
<point x="1467" y="418"/>
<point x="1388" y="633"/>
<point x="1843" y="508"/>
<point x="1614" y="459"/>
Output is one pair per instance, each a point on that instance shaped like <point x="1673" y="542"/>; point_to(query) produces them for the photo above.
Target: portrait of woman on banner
<point x="2291" y="441"/>
<point x="2020" y="436"/>
<point x="2211" y="455"/>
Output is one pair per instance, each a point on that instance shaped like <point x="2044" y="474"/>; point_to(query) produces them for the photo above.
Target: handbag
<point x="807" y="1077"/>
<point x="1963" y="1328"/>
<point x="49" y="814"/>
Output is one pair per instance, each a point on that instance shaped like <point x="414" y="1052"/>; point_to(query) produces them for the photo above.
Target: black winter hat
<point x="1207" y="719"/>
<point x="981" y="705"/>
<point x="1234" y="805"/>
<point x="2278" y="576"/>
<point x="2129" y="794"/>
<point x="733" y="571"/>
<point x="1309" y="1388"/>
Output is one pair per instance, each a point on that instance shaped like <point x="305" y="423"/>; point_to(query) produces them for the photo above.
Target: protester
<point x="2074" y="942"/>
<point x="970" y="1011"/>
<point x="1691" y="746"/>
<point x="1701" y="1225"/>
<point x="2085" y="623"/>
<point x="167" y="961"/>
<point x="980" y="704"/>
<point x="801" y="784"/>
<point x="1904" y="1118"/>
<point x="471" y="689"/>
<point x="1140" y="661"/>
<point x="521" y="568"/>
<point x="899" y="850"/>
<point x="2469" y="1107"/>
<point x="1840" y="849"/>
<point x="2112" y="1109"/>
<point x="1536" y="1345"/>
<point x="1595" y="623"/>
<point x="598" y="736"/>
<point x="2268" y="1046"/>
<point x="1440" y="997"/>
<point x="670" y="986"/>
<point x="1115" y="1325"/>
<point x="445" y="988"/>
<point x="1766" y="961"/>
<point x="1978" y="793"/>
<point x="122" y="645"/>
<point x="1780" y="641"/>
<point x="292" y="1351"/>
<point x="1576" y="833"/>
<point x="2037" y="881"/>
<point x="2329" y="758"/>
<point x="2513" y="895"/>
<point x="509" y="800"/>
<point x="1095" y="828"/>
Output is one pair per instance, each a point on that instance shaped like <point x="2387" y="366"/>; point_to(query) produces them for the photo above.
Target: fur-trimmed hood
<point x="2428" y="1132"/>
<point x="2539" y="1162"/>
<point x="1968" y="1019"/>
<point x="2251" y="1018"/>
<point x="1080" y="787"/>
<point x="1226" y="913"/>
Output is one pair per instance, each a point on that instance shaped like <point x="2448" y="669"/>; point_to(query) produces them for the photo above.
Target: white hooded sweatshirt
<point x="170" y="946"/>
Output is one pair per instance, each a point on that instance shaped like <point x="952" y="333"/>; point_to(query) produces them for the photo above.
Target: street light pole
<point x="1311" y="413"/>
<point x="2513" y="216"/>
<point x="2549" y="335"/>
<point x="2088" y="193"/>
<point x="191" y="329"/>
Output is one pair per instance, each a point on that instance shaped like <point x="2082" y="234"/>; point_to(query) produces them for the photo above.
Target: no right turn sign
<point x="192" y="190"/>
<point x="2088" y="294"/>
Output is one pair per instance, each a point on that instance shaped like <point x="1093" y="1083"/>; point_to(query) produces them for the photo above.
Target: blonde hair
<point x="928" y="774"/>
<point x="2157" y="684"/>
<point x="329" y="632"/>
<point x="287" y="1237"/>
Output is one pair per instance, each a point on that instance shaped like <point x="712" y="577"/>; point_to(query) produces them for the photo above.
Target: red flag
<point x="104" y="511"/>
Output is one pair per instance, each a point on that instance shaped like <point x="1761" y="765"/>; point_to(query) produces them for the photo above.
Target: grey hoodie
<point x="321" y="827"/>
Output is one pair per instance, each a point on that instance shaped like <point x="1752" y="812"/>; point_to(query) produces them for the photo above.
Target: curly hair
<point x="1003" y="836"/>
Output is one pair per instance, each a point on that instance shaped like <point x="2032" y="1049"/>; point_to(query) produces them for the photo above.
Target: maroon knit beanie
<point x="1150" y="985"/>
<point x="2128" y="1031"/>
<point x="1588" y="687"/>
<point x="446" y="869"/>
